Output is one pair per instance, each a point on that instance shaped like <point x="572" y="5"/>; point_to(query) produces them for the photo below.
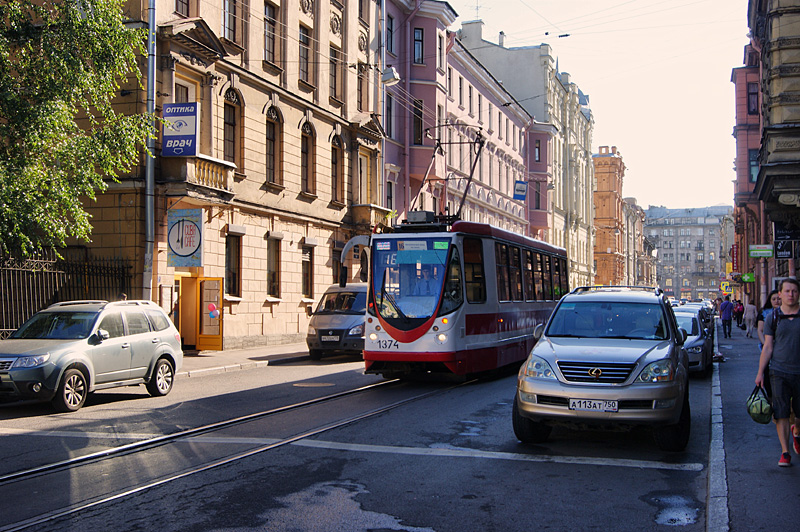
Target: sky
<point x="658" y="77"/>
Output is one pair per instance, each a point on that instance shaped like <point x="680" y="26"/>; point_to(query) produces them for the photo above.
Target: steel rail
<point x="91" y="503"/>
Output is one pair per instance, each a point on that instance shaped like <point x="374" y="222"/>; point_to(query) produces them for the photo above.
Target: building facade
<point x="690" y="244"/>
<point x="563" y="116"/>
<point x="609" y="218"/>
<point x="286" y="168"/>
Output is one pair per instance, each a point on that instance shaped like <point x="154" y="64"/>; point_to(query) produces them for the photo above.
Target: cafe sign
<point x="760" y="251"/>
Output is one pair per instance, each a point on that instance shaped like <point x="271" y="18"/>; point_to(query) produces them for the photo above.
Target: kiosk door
<point x="209" y="329"/>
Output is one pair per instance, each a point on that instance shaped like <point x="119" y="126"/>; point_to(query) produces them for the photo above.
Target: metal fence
<point x="29" y="285"/>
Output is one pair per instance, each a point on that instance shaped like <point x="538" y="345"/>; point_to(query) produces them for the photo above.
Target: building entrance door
<point x="209" y="329"/>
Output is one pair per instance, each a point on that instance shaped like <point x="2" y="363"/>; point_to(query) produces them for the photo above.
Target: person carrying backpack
<point x="781" y="352"/>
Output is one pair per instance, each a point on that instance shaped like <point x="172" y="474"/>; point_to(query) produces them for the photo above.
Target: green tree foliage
<point x="61" y="63"/>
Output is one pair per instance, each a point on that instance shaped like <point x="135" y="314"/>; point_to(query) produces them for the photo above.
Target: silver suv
<point x="70" y="349"/>
<point x="609" y="356"/>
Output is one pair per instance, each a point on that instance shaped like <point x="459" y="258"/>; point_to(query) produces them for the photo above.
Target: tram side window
<point x="515" y="274"/>
<point x="473" y="271"/>
<point x="453" y="294"/>
<point x="527" y="276"/>
<point x="546" y="279"/>
<point x="538" y="276"/>
<point x="501" y="257"/>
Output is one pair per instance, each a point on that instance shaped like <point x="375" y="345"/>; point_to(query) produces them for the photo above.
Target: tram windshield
<point x="408" y="275"/>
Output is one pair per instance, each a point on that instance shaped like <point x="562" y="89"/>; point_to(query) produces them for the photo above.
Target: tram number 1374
<point x="387" y="344"/>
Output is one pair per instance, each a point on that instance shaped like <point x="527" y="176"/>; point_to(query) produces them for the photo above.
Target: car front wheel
<point x="674" y="438"/>
<point x="72" y="391"/>
<point x="163" y="378"/>
<point x="527" y="430"/>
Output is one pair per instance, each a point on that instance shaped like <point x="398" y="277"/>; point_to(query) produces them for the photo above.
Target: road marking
<point x="497" y="455"/>
<point x="452" y="452"/>
<point x="717" y="503"/>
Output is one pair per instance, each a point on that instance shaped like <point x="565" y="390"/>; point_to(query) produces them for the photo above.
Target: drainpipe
<point x="407" y="141"/>
<point x="149" y="178"/>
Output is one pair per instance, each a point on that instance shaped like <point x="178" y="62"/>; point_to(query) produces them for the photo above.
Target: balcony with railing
<point x="368" y="215"/>
<point x="201" y="177"/>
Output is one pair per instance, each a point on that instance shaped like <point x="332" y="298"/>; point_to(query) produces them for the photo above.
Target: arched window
<point x="272" y="143"/>
<point x="337" y="170"/>
<point x="231" y="121"/>
<point x="307" y="167"/>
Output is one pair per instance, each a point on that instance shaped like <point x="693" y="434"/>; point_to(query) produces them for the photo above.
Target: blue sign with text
<point x="520" y="190"/>
<point x="181" y="132"/>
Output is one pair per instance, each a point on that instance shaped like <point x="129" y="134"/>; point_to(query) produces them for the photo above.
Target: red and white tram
<point x="458" y="299"/>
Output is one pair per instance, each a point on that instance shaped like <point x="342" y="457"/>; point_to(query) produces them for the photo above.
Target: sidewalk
<point x="208" y="362"/>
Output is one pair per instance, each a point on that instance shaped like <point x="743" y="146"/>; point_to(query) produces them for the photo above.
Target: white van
<point x="337" y="324"/>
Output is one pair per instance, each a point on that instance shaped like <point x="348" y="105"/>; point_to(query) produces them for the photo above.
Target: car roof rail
<point x="656" y="290"/>
<point x="131" y="302"/>
<point x="78" y="302"/>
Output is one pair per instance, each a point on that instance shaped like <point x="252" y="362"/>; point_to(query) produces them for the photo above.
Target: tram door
<point x="209" y="329"/>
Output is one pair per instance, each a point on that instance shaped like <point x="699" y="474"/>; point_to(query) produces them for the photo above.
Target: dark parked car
<point x="699" y="342"/>
<point x="70" y="349"/>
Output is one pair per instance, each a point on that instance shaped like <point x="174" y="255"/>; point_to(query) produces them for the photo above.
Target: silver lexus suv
<point x="66" y="351"/>
<point x="608" y="357"/>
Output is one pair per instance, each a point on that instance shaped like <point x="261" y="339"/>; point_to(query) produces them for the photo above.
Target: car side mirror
<point x="309" y="311"/>
<point x="102" y="335"/>
<point x="538" y="331"/>
<point x="682" y="335"/>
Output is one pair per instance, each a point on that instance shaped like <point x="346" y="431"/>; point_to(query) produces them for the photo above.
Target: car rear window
<point x="159" y="321"/>
<point x="137" y="322"/>
<point x="593" y="319"/>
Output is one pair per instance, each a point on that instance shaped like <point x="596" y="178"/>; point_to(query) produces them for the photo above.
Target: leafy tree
<point x="61" y="63"/>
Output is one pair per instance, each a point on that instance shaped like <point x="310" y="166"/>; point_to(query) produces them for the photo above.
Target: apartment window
<point x="229" y="19"/>
<point x="337" y="173"/>
<point x="307" y="184"/>
<point x="419" y="50"/>
<point x="363" y="10"/>
<point x="752" y="155"/>
<point x="537" y="151"/>
<point x="229" y="132"/>
<point x="390" y="34"/>
<point x="514" y="137"/>
<point x="752" y="98"/>
<point x="500" y="125"/>
<point x="440" y="56"/>
<point x="361" y="87"/>
<point x="461" y="92"/>
<point x="182" y="7"/>
<point x="417" y="122"/>
<point x="273" y="267"/>
<point x="181" y="93"/>
<point x="307" y="283"/>
<point x="390" y="195"/>
<point x="480" y="107"/>
<point x="450" y="147"/>
<point x="272" y="147"/>
<point x="491" y="112"/>
<point x="336" y="73"/>
<point x="305" y="54"/>
<point x="450" y="81"/>
<point x="388" y="119"/>
<point x="270" y="33"/>
<point x="233" y="271"/>
<point x="469" y="100"/>
<point x="508" y="138"/>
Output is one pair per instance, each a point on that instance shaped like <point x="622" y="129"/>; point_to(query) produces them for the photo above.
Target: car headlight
<point x="538" y="368"/>
<point x="658" y="371"/>
<point x="312" y="331"/>
<point x="31" y="362"/>
<point x="698" y="349"/>
<point x="358" y="330"/>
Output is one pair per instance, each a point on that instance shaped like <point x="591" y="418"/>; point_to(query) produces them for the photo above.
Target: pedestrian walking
<point x="738" y="312"/>
<point x="782" y="353"/>
<point x="773" y="302"/>
<point x="726" y="314"/>
<point x="750" y="315"/>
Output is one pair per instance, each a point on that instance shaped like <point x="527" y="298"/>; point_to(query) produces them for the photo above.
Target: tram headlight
<point x="442" y="337"/>
<point x="538" y="368"/>
<point x="373" y="336"/>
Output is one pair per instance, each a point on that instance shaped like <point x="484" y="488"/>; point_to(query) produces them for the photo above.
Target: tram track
<point x="161" y="441"/>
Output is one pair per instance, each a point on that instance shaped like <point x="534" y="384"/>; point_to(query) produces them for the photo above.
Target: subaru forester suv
<point x="66" y="351"/>
<point x="609" y="357"/>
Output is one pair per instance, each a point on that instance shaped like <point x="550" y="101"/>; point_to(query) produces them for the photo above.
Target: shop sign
<point x="748" y="278"/>
<point x="783" y="249"/>
<point x="784" y="231"/>
<point x="185" y="237"/>
<point x="181" y="133"/>
<point x="760" y="250"/>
